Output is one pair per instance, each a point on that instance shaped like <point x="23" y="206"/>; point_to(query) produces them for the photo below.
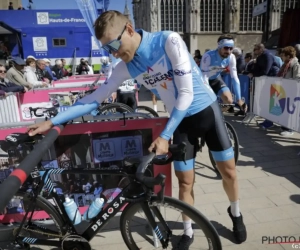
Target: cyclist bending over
<point x="214" y="62"/>
<point x="126" y="93"/>
<point x="193" y="107"/>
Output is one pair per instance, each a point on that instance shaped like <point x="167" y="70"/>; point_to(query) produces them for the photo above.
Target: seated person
<point x="15" y="73"/>
<point x="7" y="86"/>
<point x="249" y="63"/>
<point x="30" y="74"/>
<point x="42" y="73"/>
<point x="48" y="68"/>
<point x="57" y="69"/>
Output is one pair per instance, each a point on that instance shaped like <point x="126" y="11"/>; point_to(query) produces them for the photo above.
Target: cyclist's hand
<point x="160" y="146"/>
<point x="39" y="128"/>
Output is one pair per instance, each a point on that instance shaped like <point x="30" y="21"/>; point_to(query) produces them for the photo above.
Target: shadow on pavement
<point x="223" y="231"/>
<point x="295" y="198"/>
<point x="276" y="155"/>
<point x="200" y="166"/>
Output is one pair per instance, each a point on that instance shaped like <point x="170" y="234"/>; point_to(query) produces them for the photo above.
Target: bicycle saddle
<point x="21" y="138"/>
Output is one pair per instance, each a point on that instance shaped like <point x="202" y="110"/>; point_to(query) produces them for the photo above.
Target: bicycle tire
<point x="46" y="206"/>
<point x="149" y="110"/>
<point x="232" y="133"/>
<point x="116" y="105"/>
<point x="210" y="232"/>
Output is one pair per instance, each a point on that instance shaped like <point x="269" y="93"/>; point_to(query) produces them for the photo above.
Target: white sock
<point x="155" y="107"/>
<point x="188" y="230"/>
<point x="235" y="208"/>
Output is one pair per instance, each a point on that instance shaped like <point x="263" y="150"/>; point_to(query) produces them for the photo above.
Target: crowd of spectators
<point x="290" y="69"/>
<point x="261" y="62"/>
<point x="21" y="76"/>
<point x="18" y="75"/>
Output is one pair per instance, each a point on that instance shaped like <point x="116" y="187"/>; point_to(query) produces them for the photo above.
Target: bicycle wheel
<point x="43" y="220"/>
<point x="138" y="237"/>
<point x="147" y="110"/>
<point x="114" y="108"/>
<point x="234" y="142"/>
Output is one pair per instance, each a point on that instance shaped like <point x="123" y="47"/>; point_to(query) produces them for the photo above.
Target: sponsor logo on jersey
<point x="182" y="72"/>
<point x="164" y="85"/>
<point x="157" y="77"/>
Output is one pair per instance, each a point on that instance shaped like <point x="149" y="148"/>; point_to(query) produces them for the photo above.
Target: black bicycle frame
<point x="95" y="224"/>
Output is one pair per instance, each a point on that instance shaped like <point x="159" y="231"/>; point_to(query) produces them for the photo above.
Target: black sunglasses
<point x="2" y="71"/>
<point x="228" y="48"/>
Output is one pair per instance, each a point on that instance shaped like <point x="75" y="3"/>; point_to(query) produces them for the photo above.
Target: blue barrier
<point x="245" y="85"/>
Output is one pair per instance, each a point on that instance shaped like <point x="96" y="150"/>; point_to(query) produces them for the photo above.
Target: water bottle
<point x="94" y="209"/>
<point x="72" y="210"/>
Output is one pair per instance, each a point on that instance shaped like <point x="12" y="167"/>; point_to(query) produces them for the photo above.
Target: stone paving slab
<point x="269" y="174"/>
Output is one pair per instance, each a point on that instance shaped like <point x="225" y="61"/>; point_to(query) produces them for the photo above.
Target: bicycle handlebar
<point x="225" y="105"/>
<point x="11" y="185"/>
<point x="176" y="152"/>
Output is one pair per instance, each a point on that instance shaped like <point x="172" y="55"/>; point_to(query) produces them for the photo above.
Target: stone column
<point x="275" y="15"/>
<point x="194" y="12"/>
<point x="136" y="15"/>
<point x="188" y="10"/>
<point x="154" y="25"/>
<point x="234" y="17"/>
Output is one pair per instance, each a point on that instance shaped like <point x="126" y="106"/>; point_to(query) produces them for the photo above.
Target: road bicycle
<point x="113" y="108"/>
<point x="137" y="201"/>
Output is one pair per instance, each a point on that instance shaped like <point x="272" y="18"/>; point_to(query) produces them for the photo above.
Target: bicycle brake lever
<point x="160" y="194"/>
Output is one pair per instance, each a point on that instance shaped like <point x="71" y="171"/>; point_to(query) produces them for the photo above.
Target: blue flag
<point x="89" y="12"/>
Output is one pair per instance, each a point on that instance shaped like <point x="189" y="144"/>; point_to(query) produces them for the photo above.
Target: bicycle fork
<point x="151" y="219"/>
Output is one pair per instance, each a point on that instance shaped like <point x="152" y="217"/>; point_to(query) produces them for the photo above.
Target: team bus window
<point x="59" y="42"/>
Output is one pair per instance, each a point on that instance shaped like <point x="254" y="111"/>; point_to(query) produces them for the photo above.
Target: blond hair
<point x="109" y="20"/>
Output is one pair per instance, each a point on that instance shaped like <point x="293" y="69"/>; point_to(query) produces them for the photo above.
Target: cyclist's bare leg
<point x="230" y="183"/>
<point x="226" y="97"/>
<point x="229" y="177"/>
<point x="186" y="181"/>
<point x="154" y="101"/>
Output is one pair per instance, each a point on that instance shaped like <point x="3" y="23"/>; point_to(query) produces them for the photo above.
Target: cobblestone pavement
<point x="269" y="179"/>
